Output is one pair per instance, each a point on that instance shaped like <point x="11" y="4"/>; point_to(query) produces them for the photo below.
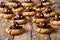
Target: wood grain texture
<point x="3" y="35"/>
<point x="56" y="34"/>
<point x="30" y="34"/>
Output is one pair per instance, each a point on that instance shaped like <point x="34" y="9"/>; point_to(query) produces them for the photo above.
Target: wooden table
<point x="30" y="33"/>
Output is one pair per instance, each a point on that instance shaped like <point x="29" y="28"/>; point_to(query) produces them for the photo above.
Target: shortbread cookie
<point x="55" y="21"/>
<point x="44" y="28"/>
<point x="20" y="19"/>
<point x="40" y="18"/>
<point x="29" y="12"/>
<point x="39" y="7"/>
<point x="7" y="13"/>
<point x="28" y="3"/>
<point x="48" y="12"/>
<point x="15" y="29"/>
<point x="46" y="2"/>
<point x="17" y="7"/>
<point x="12" y="3"/>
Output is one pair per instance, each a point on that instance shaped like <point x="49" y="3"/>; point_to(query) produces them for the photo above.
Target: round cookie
<point x="29" y="12"/>
<point x="40" y="18"/>
<point x="46" y="3"/>
<point x="55" y="21"/>
<point x="28" y="3"/>
<point x="12" y="3"/>
<point x="48" y="12"/>
<point x="17" y="7"/>
<point x="20" y="19"/>
<point x="39" y="7"/>
<point x="7" y="13"/>
<point x="43" y="28"/>
<point x="15" y="29"/>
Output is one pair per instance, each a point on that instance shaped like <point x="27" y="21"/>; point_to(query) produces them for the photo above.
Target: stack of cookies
<point x="19" y="11"/>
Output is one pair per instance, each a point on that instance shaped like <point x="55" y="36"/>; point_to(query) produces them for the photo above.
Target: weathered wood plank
<point x="56" y="34"/>
<point x="3" y="35"/>
<point x="28" y="34"/>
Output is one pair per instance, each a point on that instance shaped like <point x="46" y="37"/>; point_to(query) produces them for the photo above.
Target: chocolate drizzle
<point x="56" y="17"/>
<point x="15" y="25"/>
<point x="2" y="4"/>
<point x="43" y="25"/>
<point x="19" y="16"/>
<point x="40" y="15"/>
<point x="48" y="10"/>
<point x="29" y="9"/>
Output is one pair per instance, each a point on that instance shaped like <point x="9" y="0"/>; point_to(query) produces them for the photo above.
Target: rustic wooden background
<point x="30" y="34"/>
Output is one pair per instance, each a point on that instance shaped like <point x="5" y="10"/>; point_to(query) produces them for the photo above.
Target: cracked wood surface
<point x="30" y="34"/>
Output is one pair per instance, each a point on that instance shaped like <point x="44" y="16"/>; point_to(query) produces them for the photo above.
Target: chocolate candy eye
<point x="40" y="15"/>
<point x="7" y="10"/>
<point x="48" y="10"/>
<point x="40" y="4"/>
<point x="19" y="16"/>
<point x="15" y="25"/>
<point x="44" y="0"/>
<point x="17" y="5"/>
<point x="42" y="25"/>
<point x="21" y="27"/>
<point x="27" y="0"/>
<point x="29" y="9"/>
<point x="2" y="4"/>
<point x="57" y="17"/>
